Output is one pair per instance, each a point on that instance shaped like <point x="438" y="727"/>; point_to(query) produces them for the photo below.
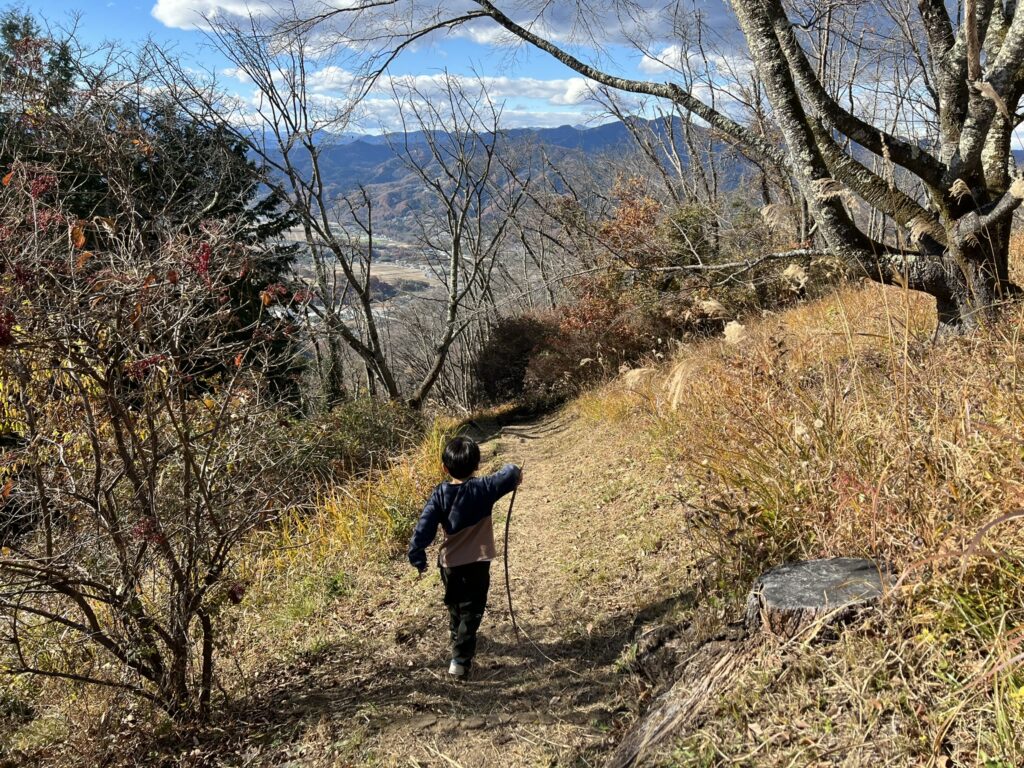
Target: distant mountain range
<point x="380" y="163"/>
<point x="349" y="161"/>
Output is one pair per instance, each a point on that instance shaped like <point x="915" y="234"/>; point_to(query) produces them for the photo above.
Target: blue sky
<point x="534" y="88"/>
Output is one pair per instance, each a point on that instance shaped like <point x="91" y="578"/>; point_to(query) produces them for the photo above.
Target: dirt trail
<point x="595" y="556"/>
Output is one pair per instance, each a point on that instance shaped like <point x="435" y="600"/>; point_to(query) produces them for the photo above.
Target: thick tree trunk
<point x="174" y="688"/>
<point x="333" y="378"/>
<point x="976" y="279"/>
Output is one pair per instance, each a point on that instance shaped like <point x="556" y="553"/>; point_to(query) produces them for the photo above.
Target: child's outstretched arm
<point x="424" y="533"/>
<point x="505" y="480"/>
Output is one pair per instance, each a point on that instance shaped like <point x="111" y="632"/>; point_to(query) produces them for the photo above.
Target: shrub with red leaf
<point x="201" y="261"/>
<point x="272" y="293"/>
<point x="41" y="184"/>
<point x="137" y="369"/>
<point x="7" y="323"/>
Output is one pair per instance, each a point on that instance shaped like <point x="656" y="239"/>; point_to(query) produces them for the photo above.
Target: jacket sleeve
<point x="425" y="531"/>
<point x="503" y="481"/>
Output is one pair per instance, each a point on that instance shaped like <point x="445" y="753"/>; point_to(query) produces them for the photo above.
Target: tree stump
<point x="788" y="599"/>
<point x="785" y="601"/>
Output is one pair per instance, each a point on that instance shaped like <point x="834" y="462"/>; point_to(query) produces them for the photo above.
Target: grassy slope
<point x="833" y="428"/>
<point x="837" y="429"/>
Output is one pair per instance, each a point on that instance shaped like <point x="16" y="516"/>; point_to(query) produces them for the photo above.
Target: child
<point x="463" y="509"/>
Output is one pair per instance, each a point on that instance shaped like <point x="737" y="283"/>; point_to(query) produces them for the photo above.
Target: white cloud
<point x="564" y="21"/>
<point x="190" y="14"/>
<point x="673" y="58"/>
<point x="523" y="101"/>
<point x="557" y="92"/>
<point x="665" y="60"/>
<point x="236" y="73"/>
<point x="377" y="115"/>
<point x="336" y="80"/>
<point x="330" y="78"/>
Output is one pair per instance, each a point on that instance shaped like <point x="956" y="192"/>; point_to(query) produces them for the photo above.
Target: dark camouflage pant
<point x="465" y="594"/>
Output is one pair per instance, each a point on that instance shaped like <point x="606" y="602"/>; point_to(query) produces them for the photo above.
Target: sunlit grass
<point x="839" y="428"/>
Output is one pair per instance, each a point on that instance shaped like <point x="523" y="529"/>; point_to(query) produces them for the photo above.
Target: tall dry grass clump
<point x="365" y="517"/>
<point x="839" y="428"/>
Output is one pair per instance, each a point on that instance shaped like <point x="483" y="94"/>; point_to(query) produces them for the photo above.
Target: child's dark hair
<point x="461" y="457"/>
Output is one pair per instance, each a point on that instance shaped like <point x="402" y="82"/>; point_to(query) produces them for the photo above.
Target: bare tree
<point x="474" y="200"/>
<point x="962" y="76"/>
<point x="288" y="134"/>
<point x="456" y="164"/>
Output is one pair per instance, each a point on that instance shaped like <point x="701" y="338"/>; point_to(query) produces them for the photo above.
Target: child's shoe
<point x="458" y="670"/>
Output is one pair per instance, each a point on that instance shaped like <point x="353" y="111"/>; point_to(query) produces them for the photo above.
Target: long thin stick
<point x="508" y="591"/>
<point x="508" y="584"/>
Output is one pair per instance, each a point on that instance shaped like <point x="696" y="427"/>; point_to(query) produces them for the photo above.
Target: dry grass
<point x="837" y="428"/>
<point x="296" y="572"/>
<point x="1016" y="256"/>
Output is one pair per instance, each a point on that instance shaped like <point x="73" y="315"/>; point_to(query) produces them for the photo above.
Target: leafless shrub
<point x="136" y="404"/>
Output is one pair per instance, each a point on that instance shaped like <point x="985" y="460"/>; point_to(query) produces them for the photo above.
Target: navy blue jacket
<point x="463" y="510"/>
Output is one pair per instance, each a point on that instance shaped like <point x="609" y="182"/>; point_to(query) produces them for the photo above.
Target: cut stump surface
<point x="789" y="598"/>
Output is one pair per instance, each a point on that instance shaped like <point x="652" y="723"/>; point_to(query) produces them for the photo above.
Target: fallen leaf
<point x="796" y="276"/>
<point x="712" y="309"/>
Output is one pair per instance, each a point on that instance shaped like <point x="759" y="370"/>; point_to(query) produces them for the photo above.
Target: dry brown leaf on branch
<point x="775" y="215"/>
<point x="78" y="236"/>
<point x="919" y="227"/>
<point x="7" y="178"/>
<point x="826" y="189"/>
